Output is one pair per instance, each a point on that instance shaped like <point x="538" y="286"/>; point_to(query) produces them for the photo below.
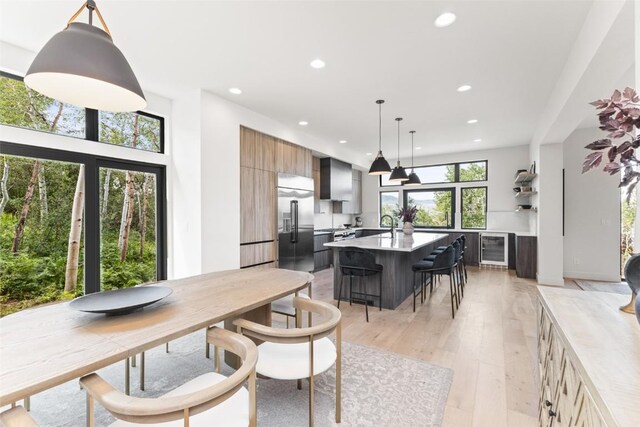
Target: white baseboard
<point x="592" y="276"/>
<point x="549" y="280"/>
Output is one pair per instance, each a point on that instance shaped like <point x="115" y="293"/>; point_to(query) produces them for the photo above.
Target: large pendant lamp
<point x="398" y="174"/>
<point x="414" y="179"/>
<point x="380" y="166"/>
<point x="80" y="65"/>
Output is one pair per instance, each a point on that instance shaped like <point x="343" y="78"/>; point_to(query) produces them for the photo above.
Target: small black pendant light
<point x="80" y="65"/>
<point x="380" y="166"/>
<point x="398" y="174"/>
<point x="414" y="179"/>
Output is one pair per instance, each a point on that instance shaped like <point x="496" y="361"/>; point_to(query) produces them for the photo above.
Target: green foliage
<point x="474" y="205"/>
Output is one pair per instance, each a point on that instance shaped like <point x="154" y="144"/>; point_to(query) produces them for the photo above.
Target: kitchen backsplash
<point x="327" y="219"/>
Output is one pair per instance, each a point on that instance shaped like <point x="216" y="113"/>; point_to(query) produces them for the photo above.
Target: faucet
<point x="392" y="227"/>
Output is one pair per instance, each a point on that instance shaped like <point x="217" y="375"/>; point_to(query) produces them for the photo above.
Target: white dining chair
<point x="16" y="417"/>
<point x="208" y="400"/>
<point x="298" y="353"/>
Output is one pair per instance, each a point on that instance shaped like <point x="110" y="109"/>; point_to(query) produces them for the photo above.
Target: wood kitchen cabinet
<point x="293" y="159"/>
<point x="526" y="256"/>
<point x="257" y="150"/>
<point x="316" y="184"/>
<point x="257" y="205"/>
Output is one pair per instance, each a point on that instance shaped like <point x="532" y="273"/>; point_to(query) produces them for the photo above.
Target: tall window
<point x="436" y="207"/>
<point x="388" y="205"/>
<point x="473" y="207"/>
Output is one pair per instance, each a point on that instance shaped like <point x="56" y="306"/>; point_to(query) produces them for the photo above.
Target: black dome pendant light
<point x="414" y="179"/>
<point x="380" y="166"/>
<point x="398" y="174"/>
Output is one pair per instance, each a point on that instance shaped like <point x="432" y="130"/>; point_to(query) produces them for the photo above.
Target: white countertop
<point x="384" y="242"/>
<point x="454" y="230"/>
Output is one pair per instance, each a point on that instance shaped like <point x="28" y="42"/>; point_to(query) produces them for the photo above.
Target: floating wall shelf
<point x="525" y="177"/>
<point x="523" y="194"/>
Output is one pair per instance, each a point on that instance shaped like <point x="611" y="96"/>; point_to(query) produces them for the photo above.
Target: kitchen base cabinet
<point x="587" y="360"/>
<point x="322" y="259"/>
<point x="526" y="256"/>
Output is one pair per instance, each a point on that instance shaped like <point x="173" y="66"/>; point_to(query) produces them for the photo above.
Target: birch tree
<point x="128" y="202"/>
<point x="75" y="235"/>
<point x="42" y="194"/>
<point x="105" y="193"/>
<point x="143" y="214"/>
<point x="26" y="204"/>
<point x="3" y="186"/>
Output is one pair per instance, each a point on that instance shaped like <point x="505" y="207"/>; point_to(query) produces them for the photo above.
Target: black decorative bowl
<point x="120" y="301"/>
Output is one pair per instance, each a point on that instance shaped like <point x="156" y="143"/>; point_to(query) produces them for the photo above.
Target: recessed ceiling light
<point x="445" y="20"/>
<point x="369" y="154"/>
<point x="477" y="140"/>
<point x="235" y="91"/>
<point x="343" y="141"/>
<point x="464" y="88"/>
<point x="418" y="148"/>
<point x="317" y="63"/>
<point x="303" y="123"/>
<point x="472" y="121"/>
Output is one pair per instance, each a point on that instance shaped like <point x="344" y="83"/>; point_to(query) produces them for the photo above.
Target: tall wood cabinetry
<point x="315" y="170"/>
<point x="262" y="157"/>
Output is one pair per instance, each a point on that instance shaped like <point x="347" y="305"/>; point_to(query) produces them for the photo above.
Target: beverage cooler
<point x="494" y="249"/>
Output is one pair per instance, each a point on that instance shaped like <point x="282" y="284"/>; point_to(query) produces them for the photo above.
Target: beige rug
<point x="379" y="389"/>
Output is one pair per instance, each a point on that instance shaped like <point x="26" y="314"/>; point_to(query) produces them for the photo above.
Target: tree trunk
<point x="105" y="193"/>
<point x="75" y="234"/>
<point x="129" y="203"/>
<point x="3" y="186"/>
<point x="22" y="220"/>
<point x="143" y="215"/>
<point x="42" y="194"/>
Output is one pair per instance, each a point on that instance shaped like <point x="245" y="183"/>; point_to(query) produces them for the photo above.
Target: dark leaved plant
<point x="620" y="117"/>
<point x="408" y="214"/>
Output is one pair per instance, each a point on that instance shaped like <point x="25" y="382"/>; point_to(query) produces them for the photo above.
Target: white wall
<point x="549" y="181"/>
<point x="501" y="203"/>
<point x="592" y="214"/>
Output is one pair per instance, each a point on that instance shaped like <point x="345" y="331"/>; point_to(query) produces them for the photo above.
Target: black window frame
<point x="486" y="206"/>
<point x="452" y="213"/>
<point x="456" y="175"/>
<point x="92" y="124"/>
<point x="380" y="204"/>
<point x="93" y="163"/>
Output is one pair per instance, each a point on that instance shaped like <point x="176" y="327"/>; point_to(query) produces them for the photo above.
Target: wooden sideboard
<point x="589" y="359"/>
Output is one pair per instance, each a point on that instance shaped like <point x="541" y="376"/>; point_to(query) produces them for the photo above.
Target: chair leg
<point x="423" y="276"/>
<point x="340" y="290"/>
<point x="414" y="291"/>
<point x="126" y="377"/>
<point x="133" y="360"/>
<point x="431" y="283"/>
<point x="207" y="348"/>
<point x="453" y="314"/>
<point x="27" y="403"/>
<point x="253" y="409"/>
<point x="380" y="291"/>
<point x="142" y="371"/>
<point x="350" y="289"/>
<point x="166" y="347"/>
<point x="366" y="302"/>
<point x="90" y="411"/>
<point x="311" y="383"/>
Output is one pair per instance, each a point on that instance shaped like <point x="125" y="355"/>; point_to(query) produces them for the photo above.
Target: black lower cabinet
<point x="322" y="259"/>
<point x="526" y="256"/>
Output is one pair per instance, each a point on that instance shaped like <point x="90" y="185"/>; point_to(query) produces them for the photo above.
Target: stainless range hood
<point x="335" y="180"/>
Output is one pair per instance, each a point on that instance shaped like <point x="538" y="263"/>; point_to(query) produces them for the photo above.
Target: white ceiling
<point x="511" y="52"/>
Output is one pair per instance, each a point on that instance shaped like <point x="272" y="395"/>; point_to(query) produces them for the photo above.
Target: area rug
<point x="379" y="389"/>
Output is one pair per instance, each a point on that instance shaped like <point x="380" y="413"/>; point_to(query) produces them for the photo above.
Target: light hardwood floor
<point x="490" y="345"/>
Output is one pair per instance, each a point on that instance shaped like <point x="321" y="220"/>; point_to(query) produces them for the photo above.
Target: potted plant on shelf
<point x="407" y="215"/>
<point x="620" y="117"/>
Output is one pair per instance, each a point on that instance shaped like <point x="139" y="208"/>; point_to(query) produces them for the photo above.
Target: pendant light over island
<point x="80" y="65"/>
<point x="414" y="179"/>
<point x="380" y="166"/>
<point x="398" y="174"/>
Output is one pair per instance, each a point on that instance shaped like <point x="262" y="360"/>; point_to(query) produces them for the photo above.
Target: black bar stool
<point x="464" y="262"/>
<point x="442" y="264"/>
<point x="357" y="262"/>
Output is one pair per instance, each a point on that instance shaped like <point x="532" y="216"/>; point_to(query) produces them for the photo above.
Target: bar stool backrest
<point x="445" y="259"/>
<point x="457" y="249"/>
<point x="357" y="261"/>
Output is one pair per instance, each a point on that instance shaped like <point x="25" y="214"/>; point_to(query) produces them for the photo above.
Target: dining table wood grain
<point x="49" y="345"/>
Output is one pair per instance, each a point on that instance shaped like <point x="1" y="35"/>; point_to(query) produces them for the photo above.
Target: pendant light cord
<point x="412" y="132"/>
<point x="379" y="127"/>
<point x="398" y="120"/>
<point x="92" y="6"/>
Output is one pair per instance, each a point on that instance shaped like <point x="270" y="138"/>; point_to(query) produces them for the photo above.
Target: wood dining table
<point x="46" y="346"/>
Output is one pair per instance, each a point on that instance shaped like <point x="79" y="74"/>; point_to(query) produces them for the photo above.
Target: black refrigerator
<point x="295" y="222"/>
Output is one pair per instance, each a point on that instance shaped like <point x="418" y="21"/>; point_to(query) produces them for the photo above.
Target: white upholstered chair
<point x="208" y="400"/>
<point x="297" y="353"/>
<point x="16" y="417"/>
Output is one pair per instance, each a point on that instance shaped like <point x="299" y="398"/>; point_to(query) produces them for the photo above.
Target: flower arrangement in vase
<point x="407" y="215"/>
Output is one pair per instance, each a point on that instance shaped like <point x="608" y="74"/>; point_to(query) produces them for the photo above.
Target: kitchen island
<point x="396" y="255"/>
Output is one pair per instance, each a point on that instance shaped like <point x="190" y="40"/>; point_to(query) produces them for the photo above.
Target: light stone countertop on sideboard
<point x="384" y="242"/>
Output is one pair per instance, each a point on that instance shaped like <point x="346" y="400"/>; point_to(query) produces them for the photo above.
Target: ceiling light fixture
<point x="472" y="121"/>
<point x="477" y="140"/>
<point x="80" y="65"/>
<point x="343" y="141"/>
<point x="303" y="123"/>
<point x="445" y="20"/>
<point x="369" y="154"/>
<point x="418" y="148"/>
<point x="235" y="91"/>
<point x="464" y="88"/>
<point x="398" y="174"/>
<point x="380" y="166"/>
<point x="414" y="179"/>
<point x="317" y="64"/>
